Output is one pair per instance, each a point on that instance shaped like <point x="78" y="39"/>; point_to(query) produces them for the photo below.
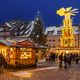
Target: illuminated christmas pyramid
<point x="67" y="38"/>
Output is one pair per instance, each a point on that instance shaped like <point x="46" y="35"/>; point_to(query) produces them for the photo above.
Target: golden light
<point x="67" y="51"/>
<point x="27" y="75"/>
<point x="23" y="74"/>
<point x="67" y="39"/>
<point x="11" y="49"/>
<point x="67" y="12"/>
<point x="25" y="53"/>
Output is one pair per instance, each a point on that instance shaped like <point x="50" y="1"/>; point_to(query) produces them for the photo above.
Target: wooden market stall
<point x="18" y="54"/>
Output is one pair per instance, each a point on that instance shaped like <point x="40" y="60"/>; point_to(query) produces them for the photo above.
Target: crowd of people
<point x="65" y="59"/>
<point x="68" y="59"/>
<point x="51" y="57"/>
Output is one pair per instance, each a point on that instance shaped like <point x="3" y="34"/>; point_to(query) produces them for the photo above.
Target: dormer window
<point x="59" y="32"/>
<point x="50" y="32"/>
<point x="76" y="30"/>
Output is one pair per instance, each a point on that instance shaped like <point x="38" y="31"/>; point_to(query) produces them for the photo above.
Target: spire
<point x="38" y="16"/>
<point x="38" y="12"/>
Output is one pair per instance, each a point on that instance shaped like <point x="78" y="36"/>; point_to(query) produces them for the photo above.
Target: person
<point x="48" y="57"/>
<point x="65" y="60"/>
<point x="2" y="63"/>
<point x="60" y="60"/>
<point x="77" y="59"/>
<point x="52" y="57"/>
<point x="36" y="57"/>
<point x="70" y="59"/>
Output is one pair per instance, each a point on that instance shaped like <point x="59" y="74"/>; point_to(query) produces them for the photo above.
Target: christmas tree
<point x="38" y="36"/>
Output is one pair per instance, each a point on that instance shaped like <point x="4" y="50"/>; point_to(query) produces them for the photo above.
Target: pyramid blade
<point x="68" y="9"/>
<point x="73" y="14"/>
<point x="74" y="10"/>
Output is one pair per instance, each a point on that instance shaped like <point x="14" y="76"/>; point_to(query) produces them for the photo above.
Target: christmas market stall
<point x="18" y="54"/>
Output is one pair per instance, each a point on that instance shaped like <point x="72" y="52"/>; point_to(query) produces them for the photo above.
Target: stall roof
<point x="12" y="43"/>
<point x="21" y="43"/>
<point x="8" y="43"/>
<point x="25" y="43"/>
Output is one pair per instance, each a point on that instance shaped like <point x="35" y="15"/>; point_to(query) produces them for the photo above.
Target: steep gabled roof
<point x="53" y="30"/>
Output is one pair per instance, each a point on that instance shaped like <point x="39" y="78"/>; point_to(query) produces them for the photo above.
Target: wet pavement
<point x="44" y="71"/>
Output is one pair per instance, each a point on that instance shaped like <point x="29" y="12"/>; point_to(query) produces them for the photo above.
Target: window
<point x="25" y="53"/>
<point x="59" y="32"/>
<point x="50" y="32"/>
<point x="49" y="46"/>
<point x="53" y="40"/>
<point x="76" y="30"/>
<point x="53" y="46"/>
<point x="49" y="40"/>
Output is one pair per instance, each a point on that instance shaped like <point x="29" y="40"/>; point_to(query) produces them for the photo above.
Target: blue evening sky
<point x="27" y="10"/>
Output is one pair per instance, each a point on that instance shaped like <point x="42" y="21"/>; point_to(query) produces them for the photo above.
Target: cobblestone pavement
<point x="48" y="72"/>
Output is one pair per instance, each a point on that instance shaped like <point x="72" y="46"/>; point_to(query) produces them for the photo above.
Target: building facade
<point x="53" y="37"/>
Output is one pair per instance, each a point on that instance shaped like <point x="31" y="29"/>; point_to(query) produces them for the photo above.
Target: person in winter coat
<point x="60" y="60"/>
<point x="65" y="60"/>
<point x="2" y="63"/>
